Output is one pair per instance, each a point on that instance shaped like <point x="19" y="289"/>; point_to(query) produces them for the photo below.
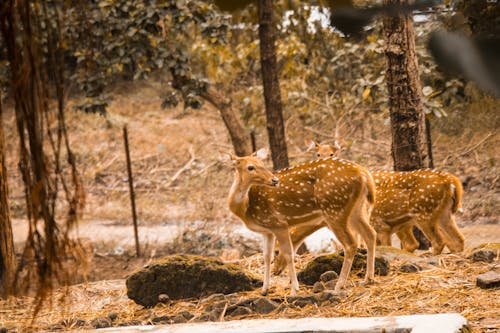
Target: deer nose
<point x="275" y="181"/>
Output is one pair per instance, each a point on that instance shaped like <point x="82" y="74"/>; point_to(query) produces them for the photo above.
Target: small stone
<point x="163" y="298"/>
<point x="410" y="268"/>
<point x="55" y="327"/>
<point x="186" y="314"/>
<point x="483" y="255"/>
<point x="161" y="320"/>
<point x="240" y="311"/>
<point x="101" y="322"/>
<point x="263" y="305"/>
<point x="179" y="319"/>
<point x="332" y="296"/>
<point x="113" y="316"/>
<point x="215" y="306"/>
<point x="302" y="301"/>
<point x="328" y="276"/>
<point x="330" y="285"/>
<point x="209" y="316"/>
<point x="488" y="280"/>
<point x="133" y="322"/>
<point x="70" y="322"/>
<point x="213" y="298"/>
<point x="318" y="287"/>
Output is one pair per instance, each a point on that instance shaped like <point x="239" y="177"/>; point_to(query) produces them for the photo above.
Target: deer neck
<point x="238" y="197"/>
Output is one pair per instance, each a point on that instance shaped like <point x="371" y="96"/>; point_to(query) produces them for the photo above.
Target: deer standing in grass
<point x="427" y="198"/>
<point x="332" y="191"/>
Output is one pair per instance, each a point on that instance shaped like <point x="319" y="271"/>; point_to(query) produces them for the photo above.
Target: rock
<point x="263" y="305"/>
<point x="113" y="316"/>
<point x="161" y="320"/>
<point x="186" y="314"/>
<point x="303" y="300"/>
<point x="55" y="327"/>
<point x="186" y="276"/>
<point x="329" y="275"/>
<point x="410" y="268"/>
<point x="133" y="322"/>
<point x="488" y="280"/>
<point x="179" y="319"/>
<point x="215" y="306"/>
<point x="209" y="316"/>
<point x="213" y="298"/>
<point x="72" y="322"/>
<point x="332" y="296"/>
<point x="318" y="287"/>
<point x="101" y="322"/>
<point x="330" y="285"/>
<point x="333" y="262"/>
<point x="163" y="298"/>
<point x="483" y="255"/>
<point x="238" y="311"/>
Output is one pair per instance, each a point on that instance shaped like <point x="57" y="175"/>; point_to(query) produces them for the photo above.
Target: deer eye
<point x="318" y="154"/>
<point x="251" y="168"/>
<point x="331" y="154"/>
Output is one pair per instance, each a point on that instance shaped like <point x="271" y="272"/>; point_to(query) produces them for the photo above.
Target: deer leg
<point x="286" y="249"/>
<point x="360" y="221"/>
<point x="268" y="253"/>
<point x="348" y="241"/>
<point x="370" y="237"/>
<point x="454" y="238"/>
<point x="408" y="241"/>
<point x="431" y="230"/>
<point x="297" y="235"/>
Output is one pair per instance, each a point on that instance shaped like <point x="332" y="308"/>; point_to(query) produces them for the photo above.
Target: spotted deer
<point x="426" y="198"/>
<point x="332" y="191"/>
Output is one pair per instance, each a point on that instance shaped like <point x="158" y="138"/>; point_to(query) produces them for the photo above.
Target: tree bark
<point x="272" y="94"/>
<point x="232" y="120"/>
<point x="7" y="253"/>
<point x="405" y="96"/>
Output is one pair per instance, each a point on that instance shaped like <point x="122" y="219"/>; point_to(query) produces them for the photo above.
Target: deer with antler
<point x="426" y="198"/>
<point x="332" y="191"/>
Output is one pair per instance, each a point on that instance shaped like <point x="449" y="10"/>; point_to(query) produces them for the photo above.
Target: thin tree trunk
<point x="232" y="120"/>
<point x="272" y="94"/>
<point x="405" y="97"/>
<point x="7" y="254"/>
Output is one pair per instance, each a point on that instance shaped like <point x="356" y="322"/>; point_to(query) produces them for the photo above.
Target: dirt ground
<point x="182" y="181"/>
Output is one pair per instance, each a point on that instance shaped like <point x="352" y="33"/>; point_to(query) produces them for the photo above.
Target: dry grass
<point x="448" y="286"/>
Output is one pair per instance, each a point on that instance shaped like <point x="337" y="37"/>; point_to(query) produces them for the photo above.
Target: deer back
<point x="307" y="191"/>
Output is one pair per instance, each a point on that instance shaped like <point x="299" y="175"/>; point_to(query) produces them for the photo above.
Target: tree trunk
<point x="405" y="96"/>
<point x="232" y="120"/>
<point x="272" y="95"/>
<point x="7" y="254"/>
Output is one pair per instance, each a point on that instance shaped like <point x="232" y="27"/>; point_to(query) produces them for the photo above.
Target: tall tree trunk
<point x="405" y="97"/>
<point x="7" y="254"/>
<point x="272" y="94"/>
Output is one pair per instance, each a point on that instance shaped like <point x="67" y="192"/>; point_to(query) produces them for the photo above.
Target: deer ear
<point x="310" y="144"/>
<point x="337" y="145"/>
<point x="229" y="159"/>
<point x="262" y="153"/>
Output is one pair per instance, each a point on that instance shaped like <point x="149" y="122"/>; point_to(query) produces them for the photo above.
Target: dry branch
<point x="184" y="167"/>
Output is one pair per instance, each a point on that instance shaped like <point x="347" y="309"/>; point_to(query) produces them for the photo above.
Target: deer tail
<point x="456" y="186"/>
<point x="370" y="184"/>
